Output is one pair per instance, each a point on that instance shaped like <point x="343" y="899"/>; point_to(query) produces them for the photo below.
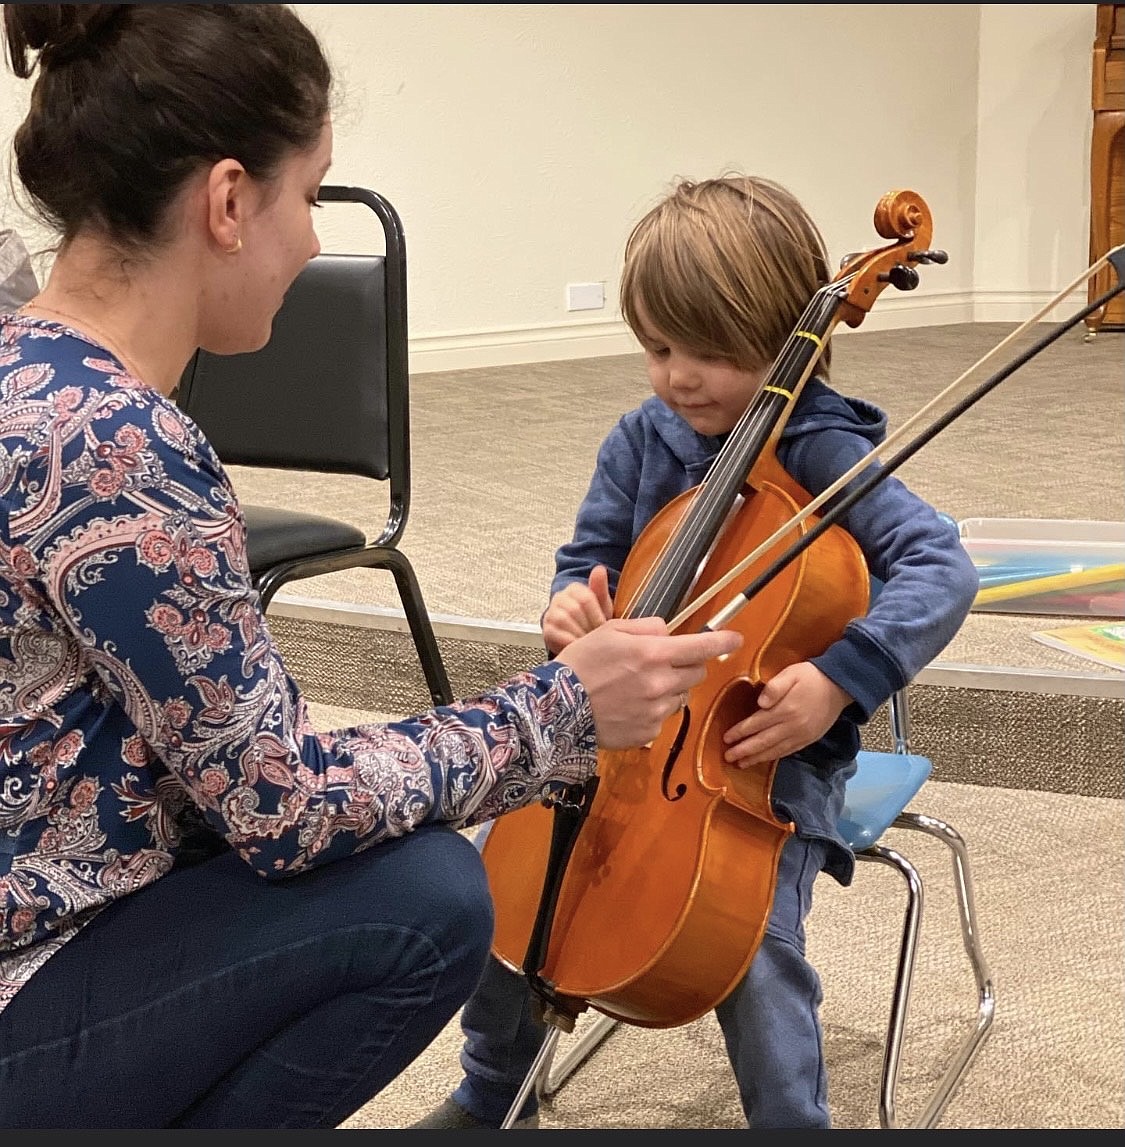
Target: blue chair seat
<point x="883" y="785"/>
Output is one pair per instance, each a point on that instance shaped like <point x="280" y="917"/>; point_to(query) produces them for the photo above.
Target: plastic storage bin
<point x="1048" y="566"/>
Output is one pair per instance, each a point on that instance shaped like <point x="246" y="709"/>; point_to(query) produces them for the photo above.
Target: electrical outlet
<point x="585" y="296"/>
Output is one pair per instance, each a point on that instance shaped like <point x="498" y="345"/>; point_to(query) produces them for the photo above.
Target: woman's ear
<point x="228" y="186"/>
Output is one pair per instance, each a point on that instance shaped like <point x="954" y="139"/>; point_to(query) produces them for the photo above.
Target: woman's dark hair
<point x="131" y="99"/>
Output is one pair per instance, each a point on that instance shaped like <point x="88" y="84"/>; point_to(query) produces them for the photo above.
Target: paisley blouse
<point x="146" y="713"/>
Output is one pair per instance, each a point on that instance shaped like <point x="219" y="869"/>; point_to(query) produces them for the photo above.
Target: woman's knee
<point x="429" y="888"/>
<point x="457" y="892"/>
<point x="449" y="884"/>
<point x="419" y="905"/>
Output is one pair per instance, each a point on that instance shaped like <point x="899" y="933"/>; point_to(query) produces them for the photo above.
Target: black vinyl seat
<point x="329" y="393"/>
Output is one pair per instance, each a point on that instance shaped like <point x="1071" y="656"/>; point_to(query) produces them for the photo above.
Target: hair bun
<point x="67" y="32"/>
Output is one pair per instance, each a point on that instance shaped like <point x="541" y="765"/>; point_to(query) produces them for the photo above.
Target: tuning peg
<point x="928" y="257"/>
<point x="901" y="276"/>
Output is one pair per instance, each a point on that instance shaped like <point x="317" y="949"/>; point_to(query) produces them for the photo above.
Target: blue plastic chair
<point x="876" y="799"/>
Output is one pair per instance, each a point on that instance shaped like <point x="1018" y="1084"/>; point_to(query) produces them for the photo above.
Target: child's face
<point x="710" y="394"/>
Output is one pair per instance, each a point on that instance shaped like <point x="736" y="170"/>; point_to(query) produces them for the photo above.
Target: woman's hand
<point x="637" y="675"/>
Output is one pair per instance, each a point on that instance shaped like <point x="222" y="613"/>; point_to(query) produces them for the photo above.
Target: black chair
<point x="329" y="393"/>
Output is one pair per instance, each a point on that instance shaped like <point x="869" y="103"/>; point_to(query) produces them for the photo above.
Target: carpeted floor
<point x="501" y="458"/>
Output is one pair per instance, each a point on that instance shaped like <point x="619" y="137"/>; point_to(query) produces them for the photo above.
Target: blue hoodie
<point x="926" y="581"/>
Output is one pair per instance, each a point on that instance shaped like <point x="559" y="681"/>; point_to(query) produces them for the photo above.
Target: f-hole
<point x="673" y="755"/>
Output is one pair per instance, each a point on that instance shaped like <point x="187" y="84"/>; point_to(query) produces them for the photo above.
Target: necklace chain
<point x="86" y="326"/>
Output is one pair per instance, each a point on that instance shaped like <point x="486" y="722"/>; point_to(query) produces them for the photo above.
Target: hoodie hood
<point x="819" y="407"/>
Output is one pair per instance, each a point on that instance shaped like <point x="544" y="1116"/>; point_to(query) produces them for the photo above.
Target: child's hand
<point x="795" y="708"/>
<point x="577" y="609"/>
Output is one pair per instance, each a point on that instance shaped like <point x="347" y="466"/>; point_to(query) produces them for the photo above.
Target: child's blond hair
<point x="724" y="267"/>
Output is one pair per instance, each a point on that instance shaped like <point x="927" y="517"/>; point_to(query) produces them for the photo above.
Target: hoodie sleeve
<point x="925" y="580"/>
<point x="604" y="525"/>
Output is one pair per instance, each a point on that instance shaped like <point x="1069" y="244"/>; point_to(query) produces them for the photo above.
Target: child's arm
<point x="605" y="524"/>
<point x="928" y="580"/>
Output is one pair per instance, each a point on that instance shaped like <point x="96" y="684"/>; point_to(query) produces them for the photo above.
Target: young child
<point x="715" y="279"/>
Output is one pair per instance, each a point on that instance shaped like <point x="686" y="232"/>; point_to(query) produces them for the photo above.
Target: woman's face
<point x="278" y="238"/>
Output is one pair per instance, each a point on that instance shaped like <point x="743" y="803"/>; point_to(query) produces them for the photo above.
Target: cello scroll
<point x="905" y="217"/>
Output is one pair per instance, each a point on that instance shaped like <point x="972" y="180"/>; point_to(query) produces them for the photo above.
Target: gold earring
<point x="237" y="246"/>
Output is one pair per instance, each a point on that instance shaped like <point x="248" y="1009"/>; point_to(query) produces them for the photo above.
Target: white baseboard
<point x="509" y="346"/>
<point x="596" y="338"/>
<point x="1018" y="306"/>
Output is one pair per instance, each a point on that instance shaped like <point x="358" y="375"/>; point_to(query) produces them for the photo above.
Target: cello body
<point x="667" y="892"/>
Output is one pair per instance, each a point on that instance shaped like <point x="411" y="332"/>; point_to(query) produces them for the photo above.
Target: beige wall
<point x="1033" y="156"/>
<point x="519" y="142"/>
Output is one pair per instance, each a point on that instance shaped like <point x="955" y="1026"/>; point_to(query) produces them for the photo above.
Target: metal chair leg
<point x="553" y="1075"/>
<point x="970" y="938"/>
<point x="904" y="975"/>
<point x="986" y="1008"/>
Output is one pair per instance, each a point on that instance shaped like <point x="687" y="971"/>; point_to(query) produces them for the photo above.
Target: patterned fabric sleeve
<point x="128" y="532"/>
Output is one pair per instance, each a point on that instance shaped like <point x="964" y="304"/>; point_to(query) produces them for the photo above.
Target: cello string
<point x="786" y="529"/>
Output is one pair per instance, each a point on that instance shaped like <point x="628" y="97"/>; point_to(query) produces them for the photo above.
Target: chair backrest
<point x="329" y="391"/>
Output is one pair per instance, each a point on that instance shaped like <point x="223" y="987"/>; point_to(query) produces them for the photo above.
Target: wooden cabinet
<point x="1107" y="160"/>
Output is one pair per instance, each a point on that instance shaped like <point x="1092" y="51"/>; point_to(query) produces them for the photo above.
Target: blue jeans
<point x="215" y="999"/>
<point x="770" y="1022"/>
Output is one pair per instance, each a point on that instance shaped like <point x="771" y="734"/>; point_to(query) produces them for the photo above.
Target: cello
<point x="621" y="900"/>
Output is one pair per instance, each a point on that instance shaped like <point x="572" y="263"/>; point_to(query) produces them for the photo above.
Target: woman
<point x="210" y="914"/>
